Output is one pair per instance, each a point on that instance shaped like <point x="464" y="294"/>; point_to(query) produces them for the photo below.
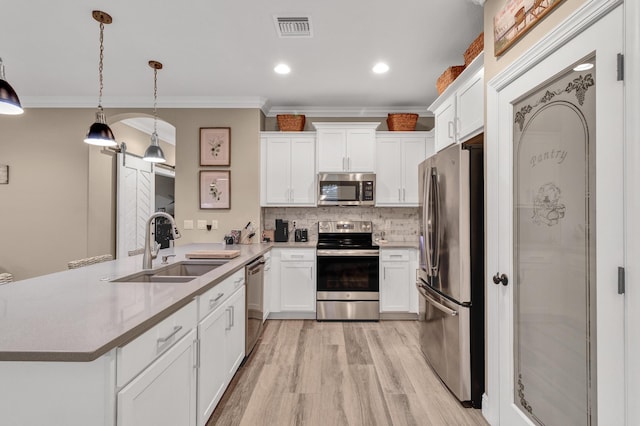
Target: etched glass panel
<point x="554" y="256"/>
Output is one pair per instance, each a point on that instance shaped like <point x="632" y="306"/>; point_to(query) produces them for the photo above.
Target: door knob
<point x="497" y="279"/>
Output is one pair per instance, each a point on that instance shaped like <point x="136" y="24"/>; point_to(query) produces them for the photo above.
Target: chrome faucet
<point x="149" y="253"/>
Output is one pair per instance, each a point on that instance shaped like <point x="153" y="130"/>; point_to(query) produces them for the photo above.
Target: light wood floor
<point x="339" y="373"/>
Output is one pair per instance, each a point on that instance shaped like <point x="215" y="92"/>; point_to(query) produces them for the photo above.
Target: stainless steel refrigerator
<point x="451" y="273"/>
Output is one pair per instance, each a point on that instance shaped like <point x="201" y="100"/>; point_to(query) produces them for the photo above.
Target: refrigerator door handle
<point x="433" y="251"/>
<point x="435" y="303"/>
<point x="424" y="232"/>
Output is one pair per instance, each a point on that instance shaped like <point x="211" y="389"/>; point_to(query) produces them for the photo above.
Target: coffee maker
<point x="282" y="231"/>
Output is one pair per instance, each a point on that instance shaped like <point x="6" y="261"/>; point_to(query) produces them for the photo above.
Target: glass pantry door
<point x="554" y="269"/>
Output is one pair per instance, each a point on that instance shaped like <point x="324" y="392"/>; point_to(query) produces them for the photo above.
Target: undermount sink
<point x="190" y="268"/>
<point x="179" y="272"/>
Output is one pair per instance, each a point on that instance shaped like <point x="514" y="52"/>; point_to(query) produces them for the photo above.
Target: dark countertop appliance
<point x="347" y="272"/>
<point x="301" y="235"/>
<point x="282" y="231"/>
<point x="451" y="274"/>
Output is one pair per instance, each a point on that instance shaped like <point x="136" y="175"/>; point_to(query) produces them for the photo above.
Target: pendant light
<point x="9" y="102"/>
<point x="99" y="133"/>
<point x="154" y="153"/>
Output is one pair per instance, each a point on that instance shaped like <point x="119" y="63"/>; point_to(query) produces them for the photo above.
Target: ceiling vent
<point x="293" y="26"/>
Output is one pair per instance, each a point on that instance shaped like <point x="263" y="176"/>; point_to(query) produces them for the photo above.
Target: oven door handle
<point x="347" y="253"/>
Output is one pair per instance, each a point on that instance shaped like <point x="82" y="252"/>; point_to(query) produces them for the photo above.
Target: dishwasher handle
<point x="256" y="266"/>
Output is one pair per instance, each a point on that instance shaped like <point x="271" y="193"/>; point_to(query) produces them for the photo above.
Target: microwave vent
<point x="293" y="26"/>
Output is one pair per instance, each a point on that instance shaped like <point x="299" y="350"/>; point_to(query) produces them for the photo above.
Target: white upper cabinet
<point x="398" y="155"/>
<point x="288" y="176"/>
<point x="459" y="111"/>
<point x="346" y="147"/>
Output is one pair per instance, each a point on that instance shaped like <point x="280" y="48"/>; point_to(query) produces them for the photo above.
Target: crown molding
<point x="220" y="102"/>
<point x="144" y="102"/>
<point x="347" y="111"/>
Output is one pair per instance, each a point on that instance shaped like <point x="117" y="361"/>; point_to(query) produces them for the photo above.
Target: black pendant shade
<point x="99" y="133"/>
<point x="9" y="102"/>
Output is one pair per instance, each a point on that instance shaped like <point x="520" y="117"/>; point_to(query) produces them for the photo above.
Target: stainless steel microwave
<point x="346" y="189"/>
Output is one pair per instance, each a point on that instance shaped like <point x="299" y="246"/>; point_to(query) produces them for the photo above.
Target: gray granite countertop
<point x="79" y="315"/>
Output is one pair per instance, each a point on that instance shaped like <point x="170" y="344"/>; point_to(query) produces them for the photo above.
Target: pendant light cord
<point x="155" y="100"/>
<point x="100" y="66"/>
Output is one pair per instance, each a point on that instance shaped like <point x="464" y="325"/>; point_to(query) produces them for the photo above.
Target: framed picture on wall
<point x="215" y="189"/>
<point x="215" y="146"/>
<point x="516" y="18"/>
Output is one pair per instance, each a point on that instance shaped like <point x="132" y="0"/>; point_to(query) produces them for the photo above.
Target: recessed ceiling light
<point x="583" y="67"/>
<point x="380" y="68"/>
<point x="282" y="69"/>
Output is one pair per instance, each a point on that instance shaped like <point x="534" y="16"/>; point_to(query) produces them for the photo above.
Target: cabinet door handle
<point x="384" y="273"/>
<point x="344" y="163"/>
<point x="175" y="331"/>
<point x="196" y="348"/>
<point x="450" y="129"/>
<point x="456" y="127"/>
<point x="233" y="317"/>
<point x="348" y="163"/>
<point x="404" y="194"/>
<point x="213" y="302"/>
<point x="292" y="195"/>
<point x="399" y="194"/>
<point x="228" y="327"/>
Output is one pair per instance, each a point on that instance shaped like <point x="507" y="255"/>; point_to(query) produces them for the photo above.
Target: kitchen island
<point x="73" y="345"/>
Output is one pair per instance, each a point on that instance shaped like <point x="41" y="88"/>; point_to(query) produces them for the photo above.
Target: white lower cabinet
<point x="292" y="282"/>
<point x="398" y="293"/>
<point x="298" y="280"/>
<point x="165" y="392"/>
<point x="221" y="337"/>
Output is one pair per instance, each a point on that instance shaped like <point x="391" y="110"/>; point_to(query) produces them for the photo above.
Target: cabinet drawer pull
<point x="395" y="255"/>
<point x="228" y="318"/>
<point x="175" y="331"/>
<point x="213" y="302"/>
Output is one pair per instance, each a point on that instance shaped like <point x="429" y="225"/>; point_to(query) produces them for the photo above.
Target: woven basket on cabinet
<point x="291" y="122"/>
<point x="447" y="77"/>
<point x="402" y="122"/>
<point x="474" y="49"/>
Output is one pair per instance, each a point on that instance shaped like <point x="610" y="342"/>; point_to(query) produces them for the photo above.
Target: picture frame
<point x="516" y="18"/>
<point x="215" y="189"/>
<point x="215" y="146"/>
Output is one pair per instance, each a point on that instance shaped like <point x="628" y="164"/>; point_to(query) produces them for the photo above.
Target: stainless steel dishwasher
<point x="254" y="278"/>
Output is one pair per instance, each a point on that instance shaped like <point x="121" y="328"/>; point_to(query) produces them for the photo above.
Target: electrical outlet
<point x="214" y="224"/>
<point x="188" y="224"/>
<point x="202" y="224"/>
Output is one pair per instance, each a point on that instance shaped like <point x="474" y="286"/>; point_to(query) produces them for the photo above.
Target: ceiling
<point x="222" y="53"/>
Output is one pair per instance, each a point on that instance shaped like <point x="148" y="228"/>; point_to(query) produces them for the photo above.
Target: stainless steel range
<point x="347" y="273"/>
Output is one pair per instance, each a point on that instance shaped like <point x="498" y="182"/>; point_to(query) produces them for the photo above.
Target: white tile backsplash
<point x="400" y="224"/>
